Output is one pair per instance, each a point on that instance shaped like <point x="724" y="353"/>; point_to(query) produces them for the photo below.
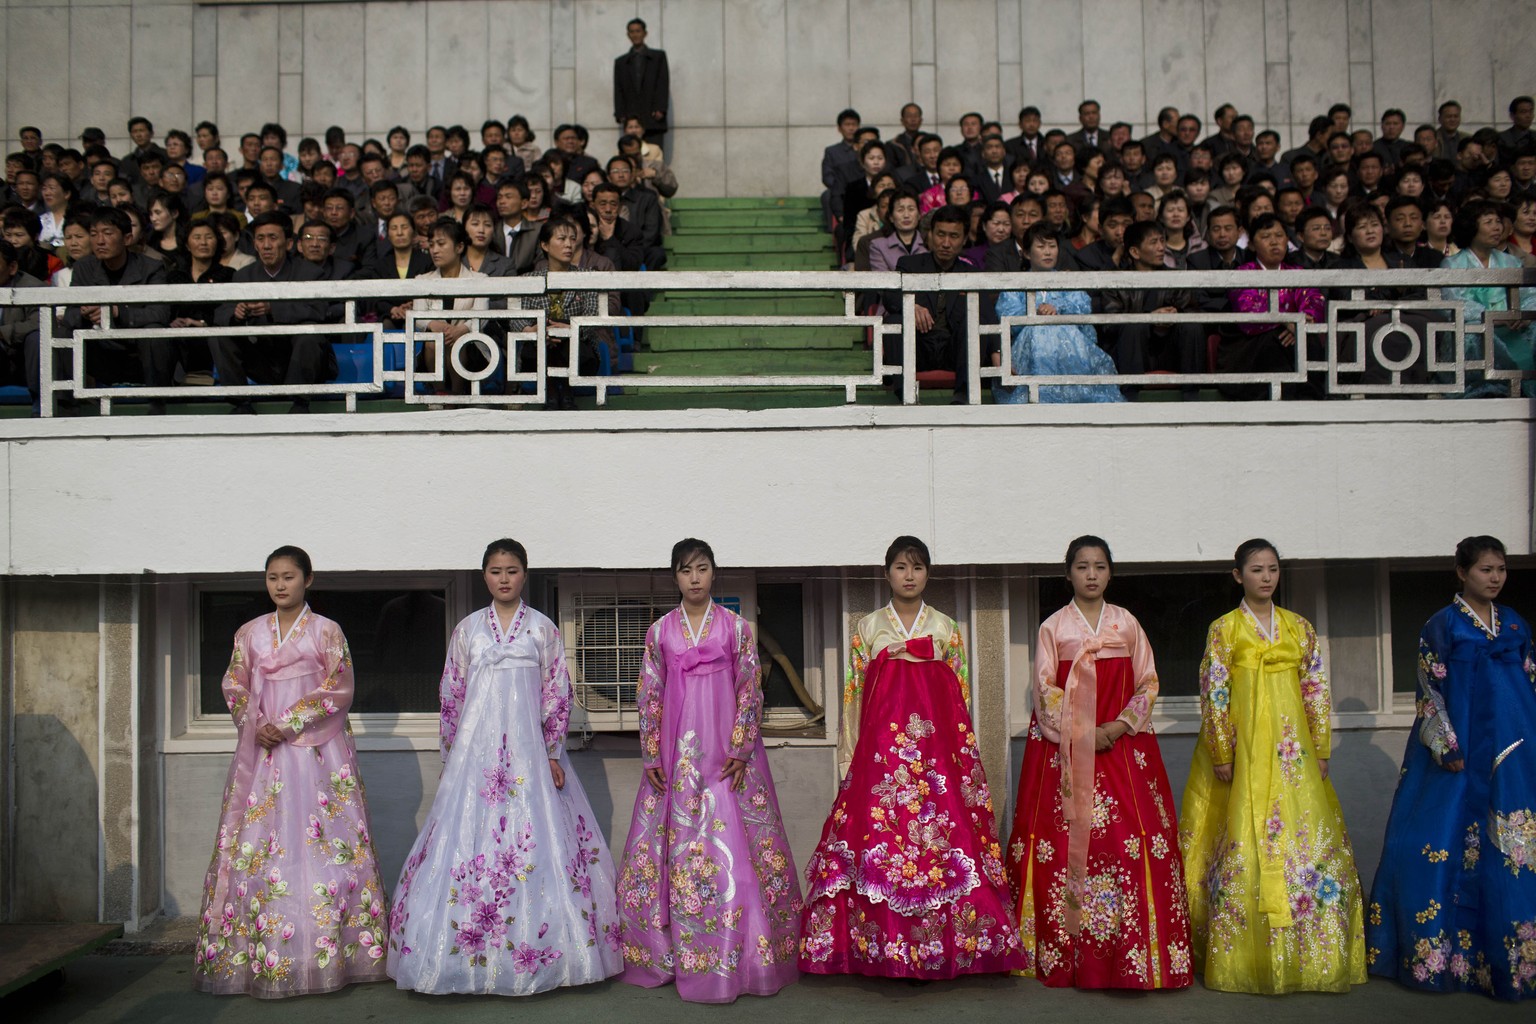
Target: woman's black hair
<point x="907" y="545"/>
<point x="1464" y="226"/>
<point x="1248" y="548"/>
<point x="297" y="555"/>
<point x="446" y="225"/>
<point x="504" y="546"/>
<point x="689" y="548"/>
<point x="1473" y="548"/>
<point x="1087" y="540"/>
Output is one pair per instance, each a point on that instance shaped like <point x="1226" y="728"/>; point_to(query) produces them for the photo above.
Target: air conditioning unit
<point x="603" y="620"/>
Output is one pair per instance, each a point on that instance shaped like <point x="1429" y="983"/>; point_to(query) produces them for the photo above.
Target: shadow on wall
<point x="54" y="868"/>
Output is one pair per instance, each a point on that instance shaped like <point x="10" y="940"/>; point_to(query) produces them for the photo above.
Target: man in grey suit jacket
<point x="112" y="360"/>
<point x="1090" y="135"/>
<point x="273" y="359"/>
<point x="641" y="85"/>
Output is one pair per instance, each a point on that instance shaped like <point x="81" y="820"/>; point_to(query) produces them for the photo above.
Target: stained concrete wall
<point x="755" y="83"/>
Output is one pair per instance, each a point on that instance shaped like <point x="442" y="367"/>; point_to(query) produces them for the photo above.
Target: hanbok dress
<point x="1453" y="907"/>
<point x="1514" y="344"/>
<point x="292" y="902"/>
<point x="707" y="890"/>
<point x="1056" y="349"/>
<point x="1274" y="897"/>
<point x="908" y="879"/>
<point x="508" y="889"/>
<point x="1094" y="853"/>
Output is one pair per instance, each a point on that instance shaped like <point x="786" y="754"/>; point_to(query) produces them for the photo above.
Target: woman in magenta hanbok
<point x="292" y="903"/>
<point x="1094" y="852"/>
<point x="707" y="891"/>
<point x="908" y="879"/>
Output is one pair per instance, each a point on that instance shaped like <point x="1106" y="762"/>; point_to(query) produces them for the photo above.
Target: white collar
<point x="917" y="620"/>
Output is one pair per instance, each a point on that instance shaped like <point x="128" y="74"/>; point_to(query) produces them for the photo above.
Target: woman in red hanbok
<point x="1094" y="853"/>
<point x="908" y="880"/>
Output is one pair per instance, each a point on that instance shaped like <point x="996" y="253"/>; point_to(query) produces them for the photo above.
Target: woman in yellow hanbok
<point x="1274" y="898"/>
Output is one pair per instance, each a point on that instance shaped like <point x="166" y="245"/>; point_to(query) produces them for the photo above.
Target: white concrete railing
<point x="1446" y="358"/>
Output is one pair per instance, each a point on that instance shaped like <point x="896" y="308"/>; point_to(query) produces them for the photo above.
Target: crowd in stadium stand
<point x="328" y="210"/>
<point x="1098" y="199"/>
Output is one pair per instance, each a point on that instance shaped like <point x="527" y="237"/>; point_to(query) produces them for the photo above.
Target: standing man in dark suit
<point x="641" y="86"/>
<point x="1090" y="135"/>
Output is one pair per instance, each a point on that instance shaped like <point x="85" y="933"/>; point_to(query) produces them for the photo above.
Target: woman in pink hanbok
<point x="707" y="891"/>
<point x="292" y="903"/>
<point x="908" y="879"/>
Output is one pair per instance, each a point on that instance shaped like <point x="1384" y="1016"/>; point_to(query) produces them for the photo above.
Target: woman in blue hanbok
<point x="1453" y="907"/>
<point x="1479" y="230"/>
<point x="1054" y="349"/>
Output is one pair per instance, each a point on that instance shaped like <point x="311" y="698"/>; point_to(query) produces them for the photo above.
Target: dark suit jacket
<point x="1018" y="149"/>
<point x="839" y="166"/>
<point x="383" y="268"/>
<point x="653" y="92"/>
<point x="292" y="311"/>
<point x="1079" y="141"/>
<point x="1216" y="300"/>
<point x="140" y="269"/>
<point x="644" y="214"/>
<point x="576" y="167"/>
<point x="1095" y="256"/>
<point x="524" y="250"/>
<point x="354" y="244"/>
<point x="924" y="263"/>
<point x="915" y="177"/>
<point x="16" y="322"/>
<point x="988" y="189"/>
<point x="625" y="249"/>
<point x="287" y="193"/>
<point x="334" y="269"/>
<point x="1004" y="257"/>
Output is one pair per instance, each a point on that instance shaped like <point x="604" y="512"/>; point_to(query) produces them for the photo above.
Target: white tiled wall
<point x="755" y="83"/>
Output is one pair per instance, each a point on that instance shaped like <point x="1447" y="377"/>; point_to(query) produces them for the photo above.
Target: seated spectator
<point x="1087" y="224"/>
<point x="18" y="329"/>
<point x="1439" y="221"/>
<point x="641" y="206"/>
<point x="1108" y="253"/>
<point x="1052" y="349"/>
<point x="139" y="240"/>
<point x="1405" y="227"/>
<point x="455" y="199"/>
<point x="1508" y="214"/>
<point x="57" y="194"/>
<point x="1479" y="232"/>
<point x="447" y="245"/>
<point x="167" y="216"/>
<point x="423" y="210"/>
<point x="267" y="358"/>
<point x="872" y="219"/>
<point x="383" y="201"/>
<point x="1145" y="205"/>
<point x="1498" y="184"/>
<point x="1165" y="176"/>
<point x="1364" y="249"/>
<point x="1318" y="239"/>
<point x="1113" y="182"/>
<point x="651" y="173"/>
<point x="1180" y="240"/>
<point x="900" y="236"/>
<point x="1222" y="254"/>
<point x="1522" y="237"/>
<point x="1518" y="135"/>
<point x="522" y="140"/>
<point x="1251" y="201"/>
<point x="1197" y="190"/>
<point x="1233" y="171"/>
<point x="559" y="240"/>
<point x="314" y="244"/>
<point x="26" y="190"/>
<point x="77" y="242"/>
<point x="351" y="242"/>
<point x="992" y="178"/>
<point x="1140" y="347"/>
<point x="940" y="323"/>
<point x="232" y="230"/>
<point x="204" y="247"/>
<point x="402" y="258"/>
<point x="951" y="164"/>
<point x="858" y="192"/>
<point x="1011" y="255"/>
<point x="923" y="173"/>
<point x="21" y="227"/>
<point x="150" y="361"/>
<point x="518" y="237"/>
<point x="1265" y="347"/>
<point x="995" y="226"/>
<point x="482" y="254"/>
<point x="1409" y="182"/>
<point x="612" y="236"/>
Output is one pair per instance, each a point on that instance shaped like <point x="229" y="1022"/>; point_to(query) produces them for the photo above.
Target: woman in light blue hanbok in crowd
<point x="1054" y="348"/>
<point x="1479" y="230"/>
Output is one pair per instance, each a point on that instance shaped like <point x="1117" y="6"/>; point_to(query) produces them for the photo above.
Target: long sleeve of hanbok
<point x="954" y="657"/>
<point x="237" y="685"/>
<point x="331" y="698"/>
<point x="1435" y="730"/>
<point x="648" y="698"/>
<point x="1216" y="726"/>
<point x="554" y="694"/>
<point x="452" y="689"/>
<point x="1049" y="693"/>
<point x="1138" y="710"/>
<point x="1316" y="697"/>
<point x="749" y="694"/>
<point x="853" y="702"/>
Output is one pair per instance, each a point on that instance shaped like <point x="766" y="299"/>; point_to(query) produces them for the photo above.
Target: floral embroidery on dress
<point x="1515" y="836"/>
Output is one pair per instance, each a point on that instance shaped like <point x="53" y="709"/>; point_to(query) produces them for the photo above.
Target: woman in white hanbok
<point x="509" y="889"/>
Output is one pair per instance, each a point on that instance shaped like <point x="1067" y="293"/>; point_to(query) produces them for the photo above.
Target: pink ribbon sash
<point x="1079" y="714"/>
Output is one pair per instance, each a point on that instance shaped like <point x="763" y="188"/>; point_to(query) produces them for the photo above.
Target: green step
<point x="693" y="230"/>
<point x="753" y="362"/>
<point x="752" y="261"/>
<point x="694" y="220"/>
<point x="783" y="305"/>
<point x="812" y="241"/>
<point x="733" y="339"/>
<point x="744" y="203"/>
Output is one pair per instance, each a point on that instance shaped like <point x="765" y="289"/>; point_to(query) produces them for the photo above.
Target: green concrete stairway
<point x="747" y="234"/>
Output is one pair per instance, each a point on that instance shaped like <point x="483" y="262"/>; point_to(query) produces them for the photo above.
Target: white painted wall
<point x="611" y="489"/>
<point x="756" y="83"/>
